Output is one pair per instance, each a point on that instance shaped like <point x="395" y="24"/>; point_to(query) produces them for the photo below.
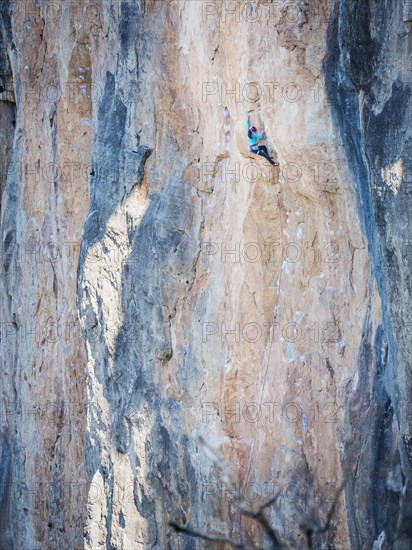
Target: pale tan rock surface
<point x="210" y="295"/>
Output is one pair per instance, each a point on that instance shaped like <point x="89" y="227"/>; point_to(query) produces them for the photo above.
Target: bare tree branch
<point x="332" y="509"/>
<point x="271" y="533"/>
<point x="259" y="516"/>
<point x="268" y="503"/>
<point x="309" y="528"/>
<point x="198" y="535"/>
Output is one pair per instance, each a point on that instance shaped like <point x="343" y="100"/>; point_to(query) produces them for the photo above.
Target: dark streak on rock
<point x="372" y="111"/>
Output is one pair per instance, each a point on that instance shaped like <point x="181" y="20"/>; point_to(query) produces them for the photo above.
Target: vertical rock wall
<point x="208" y="296"/>
<point x="370" y="82"/>
<point x="43" y="207"/>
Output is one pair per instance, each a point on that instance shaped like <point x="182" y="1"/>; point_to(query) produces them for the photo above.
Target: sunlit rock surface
<point x="161" y="286"/>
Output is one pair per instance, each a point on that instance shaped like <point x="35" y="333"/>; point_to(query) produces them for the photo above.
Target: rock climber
<point x="261" y="150"/>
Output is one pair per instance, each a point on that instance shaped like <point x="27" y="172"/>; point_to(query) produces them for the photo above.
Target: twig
<point x="268" y="503"/>
<point x="262" y="519"/>
<point x="312" y="530"/>
<point x="332" y="510"/>
<point x="198" y="535"/>
<point x="258" y="515"/>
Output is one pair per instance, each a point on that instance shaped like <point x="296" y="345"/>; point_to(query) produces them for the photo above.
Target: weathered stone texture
<point x="197" y="279"/>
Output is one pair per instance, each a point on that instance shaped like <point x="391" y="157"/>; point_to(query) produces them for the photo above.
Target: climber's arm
<point x="260" y="137"/>
<point x="248" y="124"/>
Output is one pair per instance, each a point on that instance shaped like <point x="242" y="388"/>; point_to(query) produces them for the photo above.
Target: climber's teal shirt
<point x="252" y="141"/>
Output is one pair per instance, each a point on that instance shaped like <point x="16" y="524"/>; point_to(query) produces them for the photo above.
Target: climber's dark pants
<point x="263" y="152"/>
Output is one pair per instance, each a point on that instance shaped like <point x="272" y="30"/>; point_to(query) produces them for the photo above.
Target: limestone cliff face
<point x="43" y="208"/>
<point x="370" y="81"/>
<point x="161" y="287"/>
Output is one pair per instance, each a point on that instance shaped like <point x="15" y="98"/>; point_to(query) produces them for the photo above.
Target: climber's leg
<point x="263" y="152"/>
